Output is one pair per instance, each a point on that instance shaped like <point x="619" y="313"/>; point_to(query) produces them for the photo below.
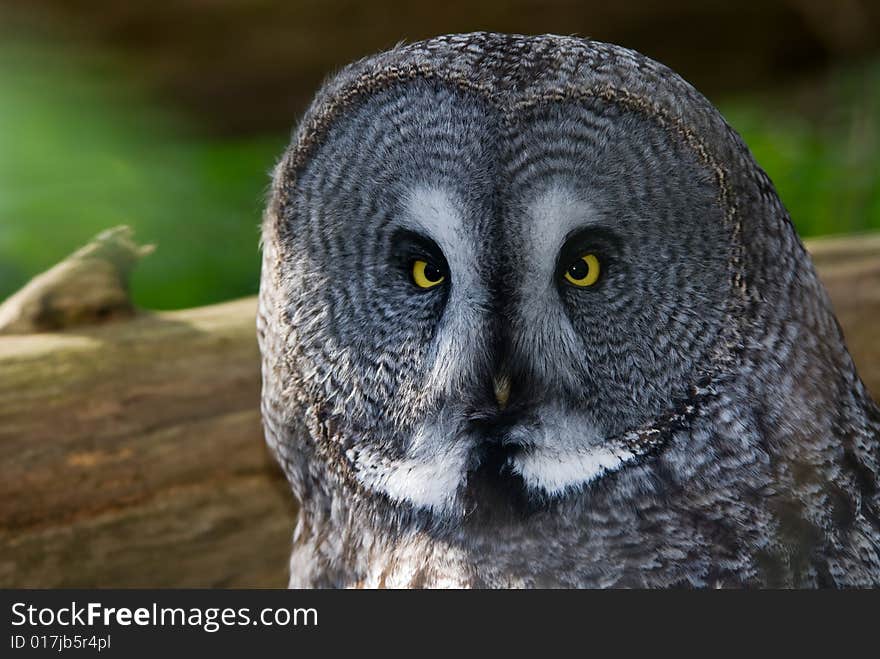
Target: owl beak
<point x="501" y="385"/>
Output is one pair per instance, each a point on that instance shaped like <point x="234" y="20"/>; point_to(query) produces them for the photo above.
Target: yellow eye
<point x="426" y="275"/>
<point x="583" y="272"/>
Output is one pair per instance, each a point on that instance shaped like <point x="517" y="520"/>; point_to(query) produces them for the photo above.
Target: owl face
<point x="487" y="295"/>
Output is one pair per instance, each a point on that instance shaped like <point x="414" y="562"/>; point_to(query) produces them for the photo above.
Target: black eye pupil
<point x="579" y="269"/>
<point x="432" y="273"/>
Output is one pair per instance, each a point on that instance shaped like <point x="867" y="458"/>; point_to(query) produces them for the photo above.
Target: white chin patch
<point x="428" y="476"/>
<point x="566" y="451"/>
<point x="554" y="472"/>
<point x="431" y="485"/>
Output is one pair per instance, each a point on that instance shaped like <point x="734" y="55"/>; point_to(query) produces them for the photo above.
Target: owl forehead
<point x="470" y="174"/>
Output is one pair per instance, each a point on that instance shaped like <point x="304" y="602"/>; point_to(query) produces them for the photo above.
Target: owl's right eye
<point x="426" y="275"/>
<point x="584" y="271"/>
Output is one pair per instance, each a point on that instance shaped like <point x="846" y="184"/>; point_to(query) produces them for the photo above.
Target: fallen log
<point x="131" y="452"/>
<point x="131" y="455"/>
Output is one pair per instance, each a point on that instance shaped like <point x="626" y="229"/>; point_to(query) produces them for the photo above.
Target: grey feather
<point x="693" y="418"/>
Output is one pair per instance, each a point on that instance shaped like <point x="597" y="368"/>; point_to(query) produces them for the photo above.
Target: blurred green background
<point x="168" y="116"/>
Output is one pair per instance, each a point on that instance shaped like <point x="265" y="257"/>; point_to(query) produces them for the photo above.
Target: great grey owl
<point x="531" y="315"/>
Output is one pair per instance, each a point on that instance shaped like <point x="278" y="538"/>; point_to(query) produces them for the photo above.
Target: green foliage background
<point x="84" y="148"/>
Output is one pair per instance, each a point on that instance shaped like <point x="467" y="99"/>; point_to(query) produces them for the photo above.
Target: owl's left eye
<point x="583" y="271"/>
<point x="426" y="275"/>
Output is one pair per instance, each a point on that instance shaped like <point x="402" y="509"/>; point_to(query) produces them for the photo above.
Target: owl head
<point x="499" y="270"/>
